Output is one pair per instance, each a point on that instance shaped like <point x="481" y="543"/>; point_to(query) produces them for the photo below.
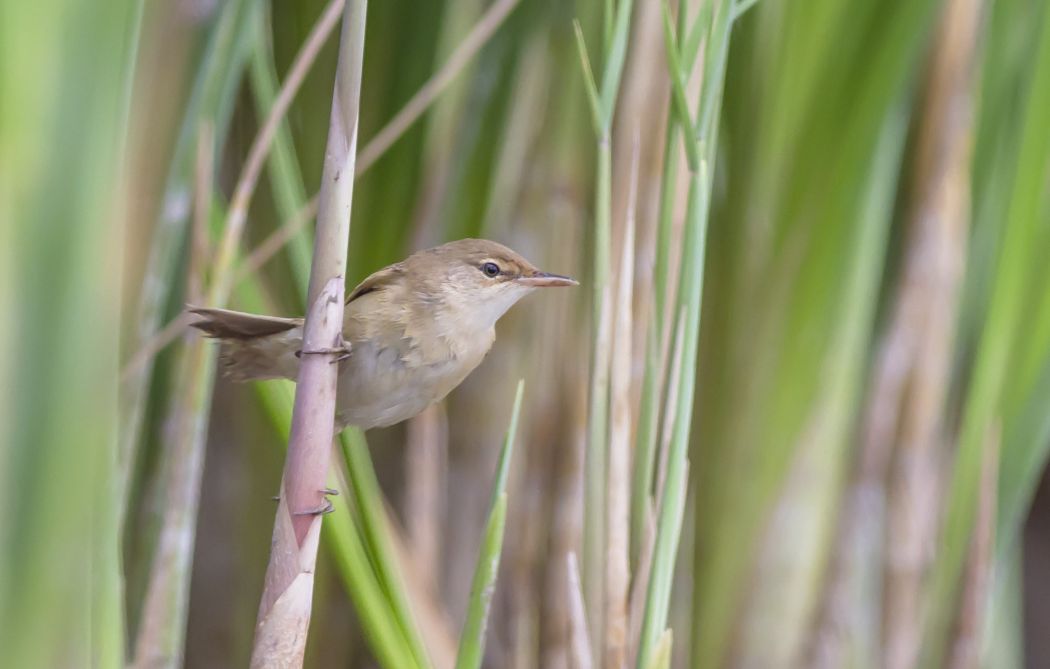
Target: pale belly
<point x="377" y="388"/>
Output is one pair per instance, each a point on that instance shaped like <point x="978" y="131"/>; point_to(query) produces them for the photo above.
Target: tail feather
<point x="226" y="324"/>
<point x="253" y="347"/>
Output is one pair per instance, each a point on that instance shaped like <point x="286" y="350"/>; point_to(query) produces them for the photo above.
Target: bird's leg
<point x="341" y="350"/>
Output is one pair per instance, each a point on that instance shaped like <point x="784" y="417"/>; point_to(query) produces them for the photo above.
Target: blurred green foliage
<point x="64" y="96"/>
<point x="801" y="178"/>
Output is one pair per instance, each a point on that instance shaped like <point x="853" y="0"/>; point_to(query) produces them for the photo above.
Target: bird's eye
<point x="490" y="269"/>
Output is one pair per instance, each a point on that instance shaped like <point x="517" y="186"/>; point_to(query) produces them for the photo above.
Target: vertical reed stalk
<point x="162" y="631"/>
<point x="164" y="618"/>
<point x="284" y="612"/>
<point x="603" y="104"/>
<point x="699" y="136"/>
<point x="618" y="485"/>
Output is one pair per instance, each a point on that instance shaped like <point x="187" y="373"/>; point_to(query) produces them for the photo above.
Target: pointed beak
<point x="546" y="280"/>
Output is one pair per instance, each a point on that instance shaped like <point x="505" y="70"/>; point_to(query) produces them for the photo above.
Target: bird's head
<point x="480" y="277"/>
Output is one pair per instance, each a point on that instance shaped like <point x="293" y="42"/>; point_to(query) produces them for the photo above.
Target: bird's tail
<point x="253" y="347"/>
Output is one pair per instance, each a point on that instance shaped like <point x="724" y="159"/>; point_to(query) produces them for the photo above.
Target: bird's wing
<point x="385" y="312"/>
<point x="376" y="281"/>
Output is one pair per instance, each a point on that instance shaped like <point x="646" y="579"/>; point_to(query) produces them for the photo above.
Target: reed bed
<point x="794" y="416"/>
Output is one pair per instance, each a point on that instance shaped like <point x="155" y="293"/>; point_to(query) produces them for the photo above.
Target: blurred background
<point x="863" y="424"/>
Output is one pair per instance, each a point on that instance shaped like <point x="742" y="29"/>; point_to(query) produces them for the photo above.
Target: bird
<point x="412" y="331"/>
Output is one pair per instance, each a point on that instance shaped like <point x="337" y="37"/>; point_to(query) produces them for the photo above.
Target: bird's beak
<point x="546" y="280"/>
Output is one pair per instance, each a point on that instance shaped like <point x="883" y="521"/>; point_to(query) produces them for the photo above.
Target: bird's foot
<point x="341" y="350"/>
<point x="325" y="508"/>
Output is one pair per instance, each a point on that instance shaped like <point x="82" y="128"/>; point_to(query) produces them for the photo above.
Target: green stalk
<point x="670" y="515"/>
<point x="472" y="641"/>
<point x="371" y="602"/>
<point x="645" y="440"/>
<point x="598" y="413"/>
<point x="649" y="419"/>
<point x="699" y="138"/>
<point x="603" y="105"/>
<point x="661" y="658"/>
<point x="368" y="496"/>
<point x="286" y="180"/>
<point x="615" y="54"/>
<point x="652" y="390"/>
<point x="668" y="182"/>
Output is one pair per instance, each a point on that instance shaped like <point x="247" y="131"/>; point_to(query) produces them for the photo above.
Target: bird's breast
<point x="386" y="381"/>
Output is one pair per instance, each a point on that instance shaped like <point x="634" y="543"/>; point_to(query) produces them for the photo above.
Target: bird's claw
<point x="325" y="508"/>
<point x="341" y="350"/>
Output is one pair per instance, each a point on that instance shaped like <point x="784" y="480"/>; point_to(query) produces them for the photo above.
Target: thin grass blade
<point x="472" y="641"/>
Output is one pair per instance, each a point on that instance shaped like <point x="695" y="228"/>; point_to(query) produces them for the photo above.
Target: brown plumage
<point x="414" y="330"/>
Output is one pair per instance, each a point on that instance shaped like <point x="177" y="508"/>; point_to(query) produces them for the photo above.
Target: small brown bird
<point x="413" y="331"/>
